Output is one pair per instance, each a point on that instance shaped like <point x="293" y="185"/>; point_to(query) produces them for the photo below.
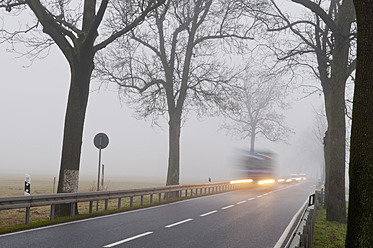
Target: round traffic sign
<point x="101" y="140"/>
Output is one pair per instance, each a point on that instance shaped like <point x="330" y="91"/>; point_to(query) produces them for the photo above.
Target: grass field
<point x="14" y="186"/>
<point x="328" y="234"/>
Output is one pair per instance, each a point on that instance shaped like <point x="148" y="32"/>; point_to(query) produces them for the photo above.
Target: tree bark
<point x="360" y="214"/>
<point x="174" y="149"/>
<point x="81" y="71"/>
<point x="336" y="204"/>
<point x="327" y="166"/>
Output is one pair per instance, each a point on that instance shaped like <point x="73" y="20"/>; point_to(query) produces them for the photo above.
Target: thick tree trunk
<point x="336" y="204"/>
<point x="335" y="112"/>
<point x="360" y="213"/>
<point x="73" y="131"/>
<point x="174" y="150"/>
<point x="252" y="140"/>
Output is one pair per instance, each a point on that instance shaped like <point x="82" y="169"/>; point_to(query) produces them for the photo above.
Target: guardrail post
<point x="159" y="197"/>
<point x="106" y="203"/>
<point x="191" y="192"/>
<point x="90" y="206"/>
<point x="142" y="200"/>
<point x="72" y="209"/>
<point x="151" y="198"/>
<point x="303" y="239"/>
<point x="167" y="196"/>
<point x="27" y="220"/>
<point x="119" y="202"/>
<point x="131" y="201"/>
<point x="186" y="193"/>
<point x="51" y="216"/>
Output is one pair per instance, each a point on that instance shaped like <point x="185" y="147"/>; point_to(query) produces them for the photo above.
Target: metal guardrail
<point x="16" y="202"/>
<point x="302" y="236"/>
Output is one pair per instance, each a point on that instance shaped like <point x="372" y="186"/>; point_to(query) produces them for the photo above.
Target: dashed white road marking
<point x="178" y="223"/>
<point x="259" y="196"/>
<point x="212" y="212"/>
<point x="128" y="239"/>
<point x="252" y="198"/>
<point x="228" y="207"/>
<point x="238" y="203"/>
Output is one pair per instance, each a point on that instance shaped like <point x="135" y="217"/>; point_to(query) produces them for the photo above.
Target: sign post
<point x="102" y="177"/>
<point x="101" y="141"/>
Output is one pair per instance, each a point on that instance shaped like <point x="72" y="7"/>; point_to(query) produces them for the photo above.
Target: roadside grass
<point x="328" y="234"/>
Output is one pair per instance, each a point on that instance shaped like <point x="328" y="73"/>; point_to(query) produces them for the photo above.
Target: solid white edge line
<point x="128" y="239"/>
<point x="178" y="223"/>
<point x="287" y="230"/>
<point x="212" y="212"/>
<point x="238" y="203"/>
<point x="228" y="207"/>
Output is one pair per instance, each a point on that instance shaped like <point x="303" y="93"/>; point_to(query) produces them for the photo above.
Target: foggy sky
<point x="33" y="102"/>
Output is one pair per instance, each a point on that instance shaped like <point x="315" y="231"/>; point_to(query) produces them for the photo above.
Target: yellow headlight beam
<point x="266" y="181"/>
<point x="241" y="181"/>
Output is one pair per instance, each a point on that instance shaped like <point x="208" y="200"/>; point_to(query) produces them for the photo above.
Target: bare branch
<point x="319" y="12"/>
<point x="8" y="5"/>
<point x="153" y="4"/>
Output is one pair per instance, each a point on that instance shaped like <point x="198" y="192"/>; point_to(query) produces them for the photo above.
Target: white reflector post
<point x="311" y="200"/>
<point x="27" y="184"/>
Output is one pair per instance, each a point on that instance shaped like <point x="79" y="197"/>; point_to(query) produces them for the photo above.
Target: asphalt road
<point x="245" y="218"/>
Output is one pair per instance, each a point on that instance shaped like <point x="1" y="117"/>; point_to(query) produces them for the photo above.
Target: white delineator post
<point x="27" y="184"/>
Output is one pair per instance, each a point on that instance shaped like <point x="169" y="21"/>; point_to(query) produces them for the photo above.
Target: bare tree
<point x="175" y="62"/>
<point x="323" y="41"/>
<point x="253" y="109"/>
<point x="360" y="210"/>
<point x="73" y="27"/>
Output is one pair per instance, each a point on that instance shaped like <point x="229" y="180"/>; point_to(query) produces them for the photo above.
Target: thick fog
<point x="33" y="101"/>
